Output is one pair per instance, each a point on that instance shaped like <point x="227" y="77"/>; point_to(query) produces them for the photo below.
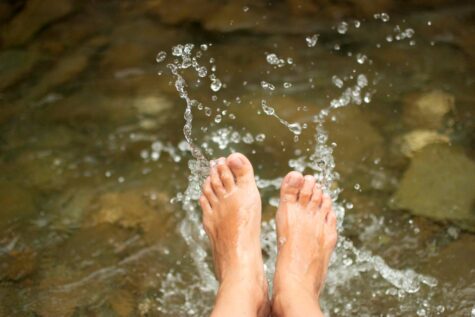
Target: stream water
<point x="102" y="159"/>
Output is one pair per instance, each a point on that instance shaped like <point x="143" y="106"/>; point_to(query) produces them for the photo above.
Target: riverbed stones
<point x="416" y="140"/>
<point x="35" y="15"/>
<point x="439" y="184"/>
<point x="428" y="110"/>
<point x="14" y="66"/>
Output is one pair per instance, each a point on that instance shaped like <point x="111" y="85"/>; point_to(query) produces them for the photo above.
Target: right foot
<point x="306" y="232"/>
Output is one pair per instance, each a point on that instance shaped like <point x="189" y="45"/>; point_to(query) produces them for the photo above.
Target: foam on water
<point x="348" y="262"/>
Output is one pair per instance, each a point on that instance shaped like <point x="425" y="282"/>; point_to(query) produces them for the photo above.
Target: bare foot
<point x="306" y="231"/>
<point x="232" y="219"/>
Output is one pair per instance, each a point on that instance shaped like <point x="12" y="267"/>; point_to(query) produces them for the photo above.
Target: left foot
<point x="232" y="220"/>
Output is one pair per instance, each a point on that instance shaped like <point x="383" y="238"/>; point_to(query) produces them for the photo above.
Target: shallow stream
<point x="98" y="183"/>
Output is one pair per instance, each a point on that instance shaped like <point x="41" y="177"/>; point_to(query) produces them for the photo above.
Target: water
<point x="101" y="160"/>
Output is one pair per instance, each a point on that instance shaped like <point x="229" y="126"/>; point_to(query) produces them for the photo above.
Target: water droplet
<point x="218" y="118"/>
<point x="268" y="110"/>
<point x="342" y="27"/>
<point x="337" y="81"/>
<point x="287" y="85"/>
<point x="161" y="56"/>
<point x="267" y="85"/>
<point x="361" y="58"/>
<point x="216" y="84"/>
<point x="208" y="111"/>
<point x="357" y="186"/>
<point x="290" y="60"/>
<point x="203" y="47"/>
<point x="357" y="23"/>
<point x="362" y="81"/>
<point x="295" y="128"/>
<point x="312" y="40"/>
<point x="260" y="137"/>
<point x="245" y="8"/>
<point x="177" y="50"/>
<point x="384" y="17"/>
<point x="202" y="71"/>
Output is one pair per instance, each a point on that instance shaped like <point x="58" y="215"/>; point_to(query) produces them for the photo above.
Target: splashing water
<point x="348" y="261"/>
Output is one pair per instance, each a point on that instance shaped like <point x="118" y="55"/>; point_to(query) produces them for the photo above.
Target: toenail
<point x="238" y="162"/>
<point x="294" y="180"/>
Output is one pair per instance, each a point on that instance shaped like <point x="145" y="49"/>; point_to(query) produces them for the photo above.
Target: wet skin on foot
<point x="306" y="231"/>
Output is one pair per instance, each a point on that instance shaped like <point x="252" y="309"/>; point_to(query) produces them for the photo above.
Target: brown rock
<point x="428" y="110"/>
<point x="415" y="140"/>
<point x="35" y="15"/>
<point x="439" y="184"/>
<point x="17" y="265"/>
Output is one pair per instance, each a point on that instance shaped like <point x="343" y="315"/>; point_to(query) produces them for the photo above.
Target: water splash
<point x="348" y="261"/>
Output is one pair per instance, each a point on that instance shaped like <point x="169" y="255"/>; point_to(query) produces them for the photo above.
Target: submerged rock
<point x="439" y="184"/>
<point x="428" y="110"/>
<point x="17" y="265"/>
<point x="65" y="70"/>
<point x="416" y="140"/>
<point x="14" y="66"/>
<point x="35" y="15"/>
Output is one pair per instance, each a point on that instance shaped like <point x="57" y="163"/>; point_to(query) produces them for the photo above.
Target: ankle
<point x="292" y="298"/>
<point x="242" y="296"/>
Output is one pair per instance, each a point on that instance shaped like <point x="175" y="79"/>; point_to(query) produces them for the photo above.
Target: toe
<point x="216" y="183"/>
<point x="205" y="205"/>
<point x="326" y="207"/>
<point x="307" y="189"/>
<point x="227" y="177"/>
<point x="240" y="167"/>
<point x="209" y="193"/>
<point x="291" y="186"/>
<point x="316" y="199"/>
<point x="331" y="230"/>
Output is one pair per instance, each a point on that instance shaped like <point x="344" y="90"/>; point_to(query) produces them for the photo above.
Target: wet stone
<point x="416" y="140"/>
<point x="35" y="15"/>
<point x="14" y="66"/>
<point x="428" y="110"/>
<point x="439" y="184"/>
<point x="17" y="264"/>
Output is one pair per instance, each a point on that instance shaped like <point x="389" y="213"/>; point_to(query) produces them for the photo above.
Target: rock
<point x="122" y="302"/>
<point x="415" y="140"/>
<point x="6" y="10"/>
<point x="151" y="105"/>
<point x="65" y="70"/>
<point x="183" y="11"/>
<point x="35" y="15"/>
<point x="439" y="184"/>
<point x="131" y="209"/>
<point x="17" y="265"/>
<point x="232" y="17"/>
<point x="427" y="110"/>
<point x="14" y="66"/>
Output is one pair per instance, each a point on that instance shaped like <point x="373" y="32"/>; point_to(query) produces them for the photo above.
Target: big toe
<point x="291" y="186"/>
<point x="240" y="167"/>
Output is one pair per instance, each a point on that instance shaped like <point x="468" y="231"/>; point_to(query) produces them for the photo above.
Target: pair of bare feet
<point x="306" y="231"/>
